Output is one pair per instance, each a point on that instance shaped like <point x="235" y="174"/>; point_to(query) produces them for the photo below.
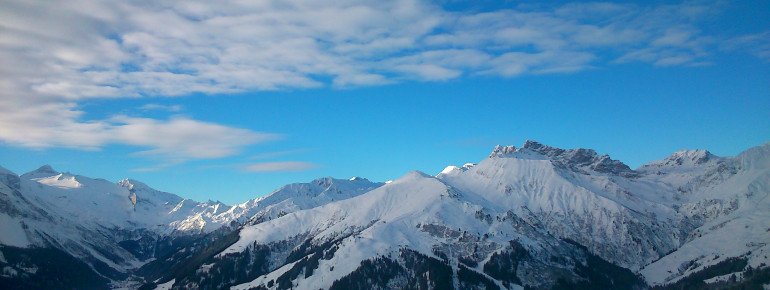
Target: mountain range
<point x="528" y="217"/>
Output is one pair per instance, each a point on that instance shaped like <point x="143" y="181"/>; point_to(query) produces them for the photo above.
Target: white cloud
<point x="57" y="124"/>
<point x="159" y="107"/>
<point x="55" y="56"/>
<point x="280" y="166"/>
<point x="87" y="49"/>
<point x="182" y="137"/>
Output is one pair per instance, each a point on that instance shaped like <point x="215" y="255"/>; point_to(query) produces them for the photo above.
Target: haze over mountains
<point x="533" y="216"/>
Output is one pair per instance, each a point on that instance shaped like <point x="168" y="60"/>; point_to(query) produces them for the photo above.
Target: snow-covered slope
<point x="117" y="227"/>
<point x="728" y="207"/>
<point x="530" y="216"/>
<point x="416" y="212"/>
<point x="562" y="212"/>
<point x="108" y="204"/>
<point x="88" y="218"/>
<point x="576" y="194"/>
<point x="298" y="196"/>
<point x="287" y="199"/>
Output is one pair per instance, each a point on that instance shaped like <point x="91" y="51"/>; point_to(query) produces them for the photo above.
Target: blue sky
<point x="228" y="102"/>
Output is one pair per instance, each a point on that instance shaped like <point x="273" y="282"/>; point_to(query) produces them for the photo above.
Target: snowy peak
<point x="141" y="195"/>
<point x="61" y="180"/>
<point x="580" y="160"/>
<point x="414" y="174"/>
<point x="502" y="151"/>
<point x="214" y="207"/>
<point x="326" y="186"/>
<point x="454" y="170"/>
<point x="43" y="171"/>
<point x="215" y="203"/>
<point x="48" y="176"/>
<point x="144" y="191"/>
<point x="686" y="158"/>
<point x="537" y="146"/>
<point x="46" y="169"/>
<point x="331" y="183"/>
<point x="578" y="157"/>
<point x="449" y="169"/>
<point x="684" y="163"/>
<point x="134" y="185"/>
<point x="126" y="183"/>
<point x="756" y="157"/>
<point x="299" y="196"/>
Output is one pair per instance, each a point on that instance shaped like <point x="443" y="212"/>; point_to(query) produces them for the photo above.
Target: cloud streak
<point x="177" y="138"/>
<point x="755" y="44"/>
<point x="159" y="107"/>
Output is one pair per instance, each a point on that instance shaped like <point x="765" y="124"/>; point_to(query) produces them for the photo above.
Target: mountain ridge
<point x="663" y="221"/>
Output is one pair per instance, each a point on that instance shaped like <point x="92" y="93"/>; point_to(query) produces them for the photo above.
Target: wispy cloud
<point x="159" y="107"/>
<point x="756" y="44"/>
<point x="182" y="137"/>
<point x="280" y="166"/>
<point x="53" y="124"/>
<point x="106" y="49"/>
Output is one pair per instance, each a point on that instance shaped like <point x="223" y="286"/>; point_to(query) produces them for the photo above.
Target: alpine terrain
<point x="529" y="217"/>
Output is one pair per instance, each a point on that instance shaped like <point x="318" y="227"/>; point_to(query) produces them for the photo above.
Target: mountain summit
<point x="575" y="159"/>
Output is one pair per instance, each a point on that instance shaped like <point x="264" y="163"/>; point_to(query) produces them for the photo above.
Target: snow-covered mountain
<point x="298" y="196"/>
<point x="111" y="227"/>
<point x="533" y="216"/>
<point x="724" y="203"/>
<point x="115" y="228"/>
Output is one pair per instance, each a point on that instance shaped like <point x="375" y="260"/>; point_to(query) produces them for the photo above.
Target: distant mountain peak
<point x="683" y="159"/>
<point x="449" y="169"/>
<point x="502" y="151"/>
<point x="698" y="156"/>
<point x="576" y="155"/>
<point x="758" y="156"/>
<point x="134" y="185"/>
<point x="211" y="202"/>
<point x="576" y="159"/>
<point x="452" y="169"/>
<point x="44" y="171"/>
<point x="415" y="174"/>
<point x="324" y="181"/>
<point x="145" y="192"/>
<point x="532" y="144"/>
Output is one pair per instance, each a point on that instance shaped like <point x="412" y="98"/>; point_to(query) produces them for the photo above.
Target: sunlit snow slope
<point x="559" y="210"/>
